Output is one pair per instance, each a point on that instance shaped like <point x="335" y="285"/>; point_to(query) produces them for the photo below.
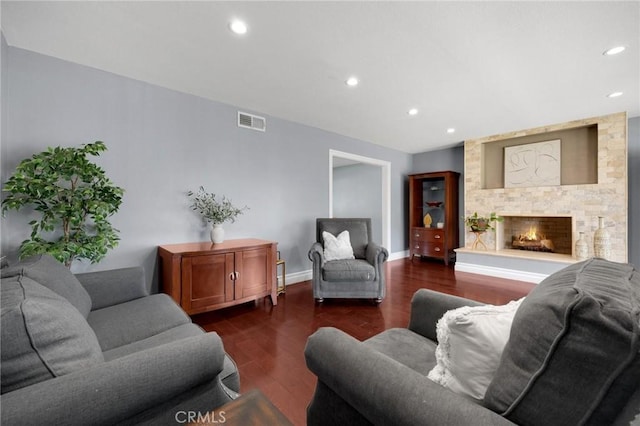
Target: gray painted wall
<point x="357" y="192"/>
<point x="163" y="143"/>
<point x="443" y="160"/>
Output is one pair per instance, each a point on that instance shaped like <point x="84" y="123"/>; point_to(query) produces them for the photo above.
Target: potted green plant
<point x="481" y="223"/>
<point x="74" y="199"/>
<point x="214" y="211"/>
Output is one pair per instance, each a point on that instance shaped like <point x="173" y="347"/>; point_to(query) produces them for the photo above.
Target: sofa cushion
<point x="348" y="270"/>
<point x="337" y="247"/>
<point x="46" y="270"/>
<point x="43" y="335"/>
<point x="402" y="345"/>
<point x="171" y="335"/>
<point x="572" y="357"/>
<point x="229" y="375"/>
<point x="470" y="343"/>
<point x="136" y="320"/>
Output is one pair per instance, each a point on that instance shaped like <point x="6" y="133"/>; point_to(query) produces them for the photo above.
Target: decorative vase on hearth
<point x="582" y="248"/>
<point x="602" y="240"/>
<point x="217" y="233"/>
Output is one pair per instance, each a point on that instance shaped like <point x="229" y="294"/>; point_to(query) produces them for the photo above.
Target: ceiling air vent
<point x="251" y="121"/>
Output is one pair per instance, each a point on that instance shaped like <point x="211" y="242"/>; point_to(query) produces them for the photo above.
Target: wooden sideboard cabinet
<point x="433" y="215"/>
<point x="203" y="276"/>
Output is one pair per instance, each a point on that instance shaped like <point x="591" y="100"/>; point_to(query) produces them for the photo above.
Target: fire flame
<point x="531" y="235"/>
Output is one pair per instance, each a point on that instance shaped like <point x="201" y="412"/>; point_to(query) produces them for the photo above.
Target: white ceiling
<point x="480" y="67"/>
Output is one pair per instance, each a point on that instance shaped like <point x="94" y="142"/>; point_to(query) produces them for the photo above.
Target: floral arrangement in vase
<point x="481" y="223"/>
<point x="214" y="211"/>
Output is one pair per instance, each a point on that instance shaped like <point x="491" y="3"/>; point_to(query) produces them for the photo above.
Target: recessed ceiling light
<point x="413" y="111"/>
<point x="614" y="94"/>
<point x="238" y="27"/>
<point x="352" y="81"/>
<point x="451" y="130"/>
<point x="614" y="50"/>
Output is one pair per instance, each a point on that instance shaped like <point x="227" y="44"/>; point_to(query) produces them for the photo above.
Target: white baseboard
<point x="398" y="255"/>
<point x="297" y="277"/>
<point x="510" y="274"/>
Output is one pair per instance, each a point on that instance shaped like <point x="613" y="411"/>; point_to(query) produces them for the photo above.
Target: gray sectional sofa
<point x="97" y="349"/>
<point x="572" y="358"/>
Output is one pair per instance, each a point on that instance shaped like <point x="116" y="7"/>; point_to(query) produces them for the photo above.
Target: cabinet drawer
<point x="427" y="235"/>
<point x="428" y="249"/>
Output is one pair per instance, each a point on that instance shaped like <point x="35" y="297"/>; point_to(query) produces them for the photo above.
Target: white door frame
<point x="385" y="188"/>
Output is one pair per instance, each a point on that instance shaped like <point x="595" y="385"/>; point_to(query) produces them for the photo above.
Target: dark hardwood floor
<point x="268" y="342"/>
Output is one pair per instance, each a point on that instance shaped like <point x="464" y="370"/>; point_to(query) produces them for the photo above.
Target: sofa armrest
<point x="428" y="306"/>
<point x="316" y="253"/>
<point x="384" y="391"/>
<point x="115" y="286"/>
<point x="376" y="254"/>
<point x="119" y="389"/>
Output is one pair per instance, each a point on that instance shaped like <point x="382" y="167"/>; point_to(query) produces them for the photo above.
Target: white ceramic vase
<point x="582" y="248"/>
<point x="217" y="233"/>
<point x="602" y="241"/>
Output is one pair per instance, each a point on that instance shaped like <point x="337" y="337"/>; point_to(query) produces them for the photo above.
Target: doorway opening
<point x="382" y="189"/>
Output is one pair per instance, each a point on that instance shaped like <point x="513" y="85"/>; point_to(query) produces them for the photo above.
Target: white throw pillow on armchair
<point x="337" y="248"/>
<point x="470" y="344"/>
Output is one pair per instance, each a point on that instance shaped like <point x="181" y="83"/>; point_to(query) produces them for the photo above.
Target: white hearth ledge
<point x="518" y="265"/>
<point x="492" y="271"/>
<point x="522" y="254"/>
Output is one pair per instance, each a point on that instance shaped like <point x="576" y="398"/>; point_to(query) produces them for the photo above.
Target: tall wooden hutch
<point x="433" y="215"/>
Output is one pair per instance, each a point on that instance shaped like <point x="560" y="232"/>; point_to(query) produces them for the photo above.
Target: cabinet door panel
<point x="206" y="280"/>
<point x="253" y="275"/>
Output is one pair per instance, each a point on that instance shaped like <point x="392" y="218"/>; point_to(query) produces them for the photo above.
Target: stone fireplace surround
<point x="606" y="196"/>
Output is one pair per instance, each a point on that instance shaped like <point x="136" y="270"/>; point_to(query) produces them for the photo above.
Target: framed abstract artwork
<point x="534" y="164"/>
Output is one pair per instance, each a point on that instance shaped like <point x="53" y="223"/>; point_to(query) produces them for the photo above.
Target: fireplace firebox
<point x="551" y="234"/>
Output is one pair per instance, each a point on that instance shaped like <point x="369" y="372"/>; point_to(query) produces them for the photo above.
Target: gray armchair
<point x="573" y="357"/>
<point x="359" y="278"/>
